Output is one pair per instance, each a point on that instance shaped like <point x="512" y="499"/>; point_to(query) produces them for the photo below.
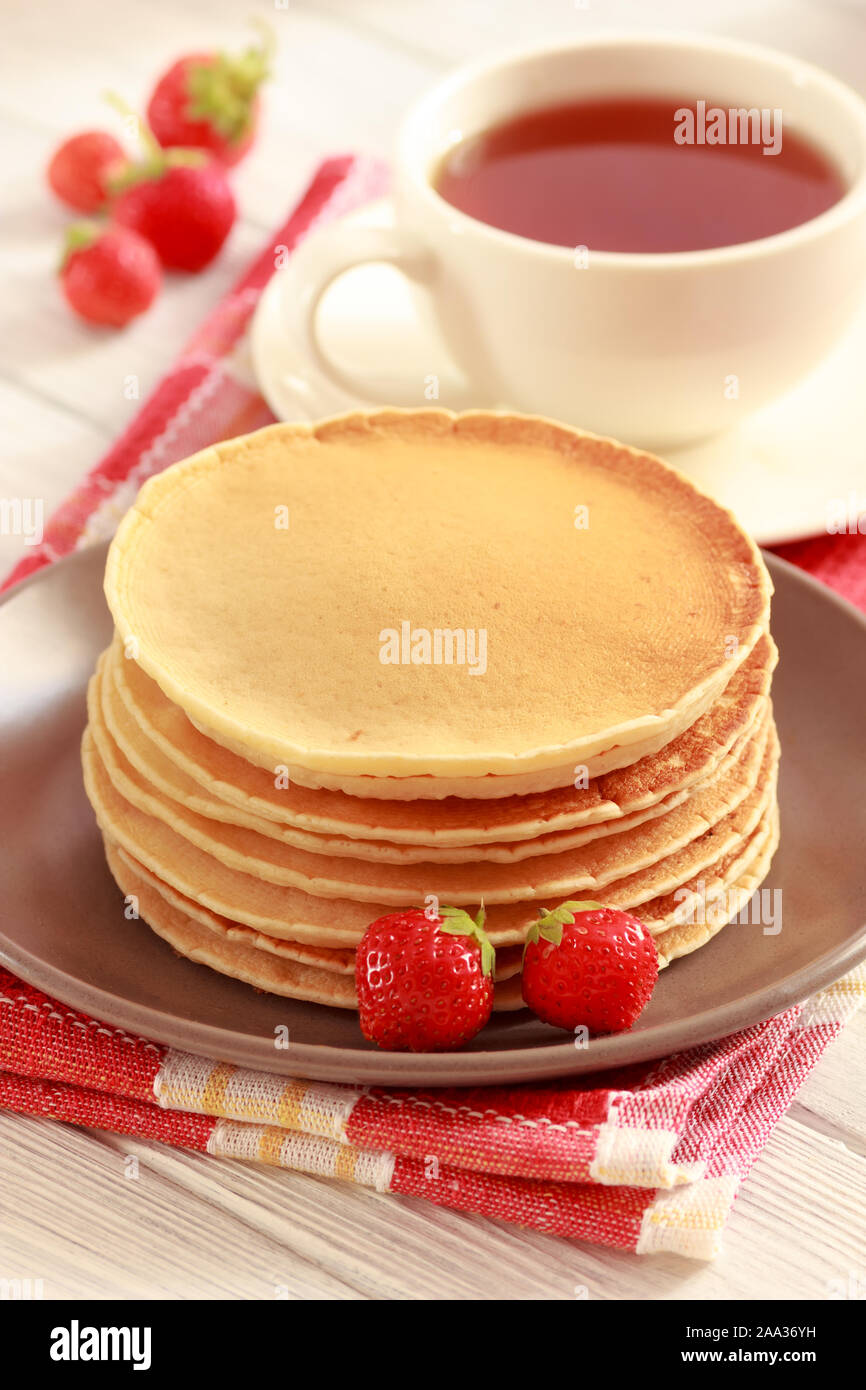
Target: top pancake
<point x="270" y="638"/>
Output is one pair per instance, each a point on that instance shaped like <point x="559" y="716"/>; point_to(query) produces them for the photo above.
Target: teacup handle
<point x="312" y="268"/>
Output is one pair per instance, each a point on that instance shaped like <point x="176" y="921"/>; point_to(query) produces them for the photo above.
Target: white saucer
<point x="784" y="471"/>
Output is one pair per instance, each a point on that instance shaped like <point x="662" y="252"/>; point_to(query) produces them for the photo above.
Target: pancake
<point x="169" y="781"/>
<point x="287" y="913"/>
<point x="587" y="867"/>
<point x="670" y="910"/>
<point x="727" y="837"/>
<point x="261" y="969"/>
<point x="734" y="893"/>
<point x="264" y="970"/>
<point x="597" y="649"/>
<point x="108" y="718"/>
<point x="489" y="787"/>
<point x="340" y="960"/>
<point x="178" y="760"/>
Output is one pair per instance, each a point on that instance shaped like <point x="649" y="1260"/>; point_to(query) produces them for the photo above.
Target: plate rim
<point x="324" y="1062"/>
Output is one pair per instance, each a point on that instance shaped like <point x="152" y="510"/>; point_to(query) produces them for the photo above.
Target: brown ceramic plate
<point x="61" y="930"/>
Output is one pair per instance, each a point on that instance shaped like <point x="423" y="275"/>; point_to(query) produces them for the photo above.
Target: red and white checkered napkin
<point x="646" y="1159"/>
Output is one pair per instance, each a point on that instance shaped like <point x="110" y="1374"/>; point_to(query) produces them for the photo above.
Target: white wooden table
<point x="196" y="1227"/>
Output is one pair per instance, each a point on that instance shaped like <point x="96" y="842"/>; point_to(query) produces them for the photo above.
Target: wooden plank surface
<point x="190" y="1226"/>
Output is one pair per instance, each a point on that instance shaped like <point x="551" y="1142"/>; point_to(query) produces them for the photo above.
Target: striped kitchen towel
<point x="648" y="1160"/>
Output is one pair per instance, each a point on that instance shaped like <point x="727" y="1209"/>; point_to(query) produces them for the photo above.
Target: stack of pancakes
<point x="279" y="749"/>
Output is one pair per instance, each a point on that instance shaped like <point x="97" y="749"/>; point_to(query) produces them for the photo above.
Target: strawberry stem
<point x="139" y="126"/>
<point x="156" y="160"/>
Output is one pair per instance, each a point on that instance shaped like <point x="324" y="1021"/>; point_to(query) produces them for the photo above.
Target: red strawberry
<point x="109" y="275"/>
<point x="589" y="965"/>
<point x="182" y="203"/>
<point x="210" y="101"/>
<point x="425" y="984"/>
<point x="80" y="167"/>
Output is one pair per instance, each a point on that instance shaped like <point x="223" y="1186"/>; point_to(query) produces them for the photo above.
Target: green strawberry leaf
<point x="456" y="921"/>
<point x="550" y="922"/>
<point x="222" y="91"/>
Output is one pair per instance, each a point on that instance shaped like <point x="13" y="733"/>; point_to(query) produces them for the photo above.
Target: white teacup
<point x="656" y="349"/>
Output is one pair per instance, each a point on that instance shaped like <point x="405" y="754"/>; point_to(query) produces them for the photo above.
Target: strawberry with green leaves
<point x="109" y="275"/>
<point x="210" y="101"/>
<point x="179" y="200"/>
<point x="182" y="204"/>
<point x="425" y="983"/>
<point x="590" y="966"/>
